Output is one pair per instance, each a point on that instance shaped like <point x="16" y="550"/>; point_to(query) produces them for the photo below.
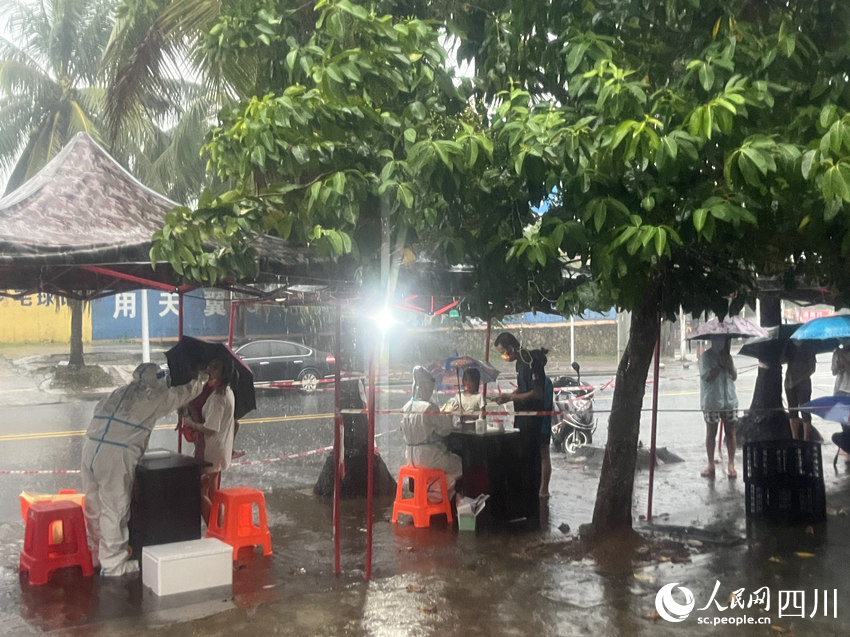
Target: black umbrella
<point x="773" y="345"/>
<point x="191" y="354"/>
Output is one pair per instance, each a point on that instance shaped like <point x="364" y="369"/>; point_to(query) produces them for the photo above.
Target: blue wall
<point x="206" y="313"/>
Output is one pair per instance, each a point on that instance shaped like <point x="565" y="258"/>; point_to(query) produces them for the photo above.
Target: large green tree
<point x="684" y="147"/>
<point x="702" y="142"/>
<point x="359" y="136"/>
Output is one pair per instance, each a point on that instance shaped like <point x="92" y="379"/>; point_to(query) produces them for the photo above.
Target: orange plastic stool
<point x="55" y="537"/>
<point x="232" y="519"/>
<point x="418" y="506"/>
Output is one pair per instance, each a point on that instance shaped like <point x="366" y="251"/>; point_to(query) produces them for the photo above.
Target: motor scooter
<point x="575" y="425"/>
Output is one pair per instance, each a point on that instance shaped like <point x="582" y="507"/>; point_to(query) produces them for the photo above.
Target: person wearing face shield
<point x="718" y="400"/>
<point x="529" y="396"/>
<point x="424" y="428"/>
<point x="115" y="441"/>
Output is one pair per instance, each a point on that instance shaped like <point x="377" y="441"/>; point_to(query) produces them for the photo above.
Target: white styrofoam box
<point x="179" y="567"/>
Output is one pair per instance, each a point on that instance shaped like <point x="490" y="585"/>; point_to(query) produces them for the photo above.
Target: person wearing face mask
<point x="718" y="400"/>
<point x="425" y="428"/>
<point x="212" y="420"/>
<point x="529" y="396"/>
<point x="115" y="441"/>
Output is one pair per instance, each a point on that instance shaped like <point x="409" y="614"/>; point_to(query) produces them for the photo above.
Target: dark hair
<point x="506" y="339"/>
<point x="472" y="374"/>
<point x="229" y="375"/>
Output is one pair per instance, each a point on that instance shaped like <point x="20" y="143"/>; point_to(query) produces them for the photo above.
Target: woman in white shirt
<point x="217" y="426"/>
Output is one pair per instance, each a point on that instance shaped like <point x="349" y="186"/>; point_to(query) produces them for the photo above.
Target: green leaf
<point x="518" y="161"/>
<point x="749" y="170"/>
<point x="706" y="76"/>
<point x="333" y="72"/>
<point x="405" y="195"/>
<point x="338" y="182"/>
<point x="660" y="241"/>
<point x="410" y="135"/>
<point x="700" y="215"/>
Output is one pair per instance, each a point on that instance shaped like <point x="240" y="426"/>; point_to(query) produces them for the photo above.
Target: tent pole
<point x="486" y="355"/>
<point x="338" y="433"/>
<point x="370" y="458"/>
<point x="655" y="370"/>
<point x="232" y="319"/>
<point x="179" y="336"/>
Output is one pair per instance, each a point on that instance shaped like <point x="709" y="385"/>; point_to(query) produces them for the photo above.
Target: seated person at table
<point x="424" y="429"/>
<point x="467" y="405"/>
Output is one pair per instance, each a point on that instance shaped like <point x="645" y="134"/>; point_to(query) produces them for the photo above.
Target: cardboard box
<point x="180" y="567"/>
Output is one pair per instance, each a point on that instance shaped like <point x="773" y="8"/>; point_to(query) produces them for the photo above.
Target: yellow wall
<point x="35" y="318"/>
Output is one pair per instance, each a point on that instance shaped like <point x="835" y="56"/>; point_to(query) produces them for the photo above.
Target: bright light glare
<point x="385" y="319"/>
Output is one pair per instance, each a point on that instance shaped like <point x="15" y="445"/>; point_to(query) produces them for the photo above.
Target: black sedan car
<point x="286" y="364"/>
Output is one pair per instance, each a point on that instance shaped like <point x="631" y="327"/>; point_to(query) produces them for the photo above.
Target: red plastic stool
<point x="55" y="537"/>
<point x="418" y="506"/>
<point x="232" y="519"/>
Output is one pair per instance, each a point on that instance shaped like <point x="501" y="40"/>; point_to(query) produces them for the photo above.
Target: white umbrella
<point x="731" y="326"/>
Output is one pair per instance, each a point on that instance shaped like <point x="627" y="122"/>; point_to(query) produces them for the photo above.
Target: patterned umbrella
<point x="732" y="326"/>
<point x="448" y="375"/>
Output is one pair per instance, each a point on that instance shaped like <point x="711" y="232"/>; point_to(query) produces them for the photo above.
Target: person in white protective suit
<point x="424" y="429"/>
<point x="115" y="440"/>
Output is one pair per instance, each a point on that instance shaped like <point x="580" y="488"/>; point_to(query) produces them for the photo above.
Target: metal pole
<point x="338" y="433"/>
<point x="487" y="335"/>
<point x="232" y="319"/>
<point x="655" y="372"/>
<point x="146" y="332"/>
<point x="572" y="338"/>
<point x="370" y="458"/>
<point x="179" y="336"/>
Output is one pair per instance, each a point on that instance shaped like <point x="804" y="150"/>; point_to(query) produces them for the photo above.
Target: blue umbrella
<point x="836" y="408"/>
<point x="825" y="333"/>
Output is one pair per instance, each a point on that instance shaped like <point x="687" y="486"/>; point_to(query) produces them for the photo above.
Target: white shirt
<point x="218" y="430"/>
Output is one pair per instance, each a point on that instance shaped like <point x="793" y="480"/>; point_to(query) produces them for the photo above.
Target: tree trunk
<point x="613" y="510"/>
<point x="76" y="358"/>
<point x="767" y="393"/>
<point x="767" y="419"/>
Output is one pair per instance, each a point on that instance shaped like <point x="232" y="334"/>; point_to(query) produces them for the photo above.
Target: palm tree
<point x="49" y="92"/>
<point x="52" y="86"/>
<point x="48" y="80"/>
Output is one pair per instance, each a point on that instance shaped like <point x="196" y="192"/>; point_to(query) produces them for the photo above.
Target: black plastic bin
<point x="784" y="481"/>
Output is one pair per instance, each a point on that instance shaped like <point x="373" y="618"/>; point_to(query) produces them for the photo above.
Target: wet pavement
<point x="440" y="580"/>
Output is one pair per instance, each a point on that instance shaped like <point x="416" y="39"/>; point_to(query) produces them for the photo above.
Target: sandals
<point x="707" y="473"/>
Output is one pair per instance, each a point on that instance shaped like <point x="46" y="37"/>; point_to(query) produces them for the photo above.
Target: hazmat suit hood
<point x="423" y="384"/>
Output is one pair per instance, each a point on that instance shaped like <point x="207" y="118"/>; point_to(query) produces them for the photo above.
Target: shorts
<point x="714" y="416"/>
<point x="798" y="395"/>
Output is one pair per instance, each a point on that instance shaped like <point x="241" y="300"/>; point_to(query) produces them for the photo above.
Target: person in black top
<point x="531" y="381"/>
